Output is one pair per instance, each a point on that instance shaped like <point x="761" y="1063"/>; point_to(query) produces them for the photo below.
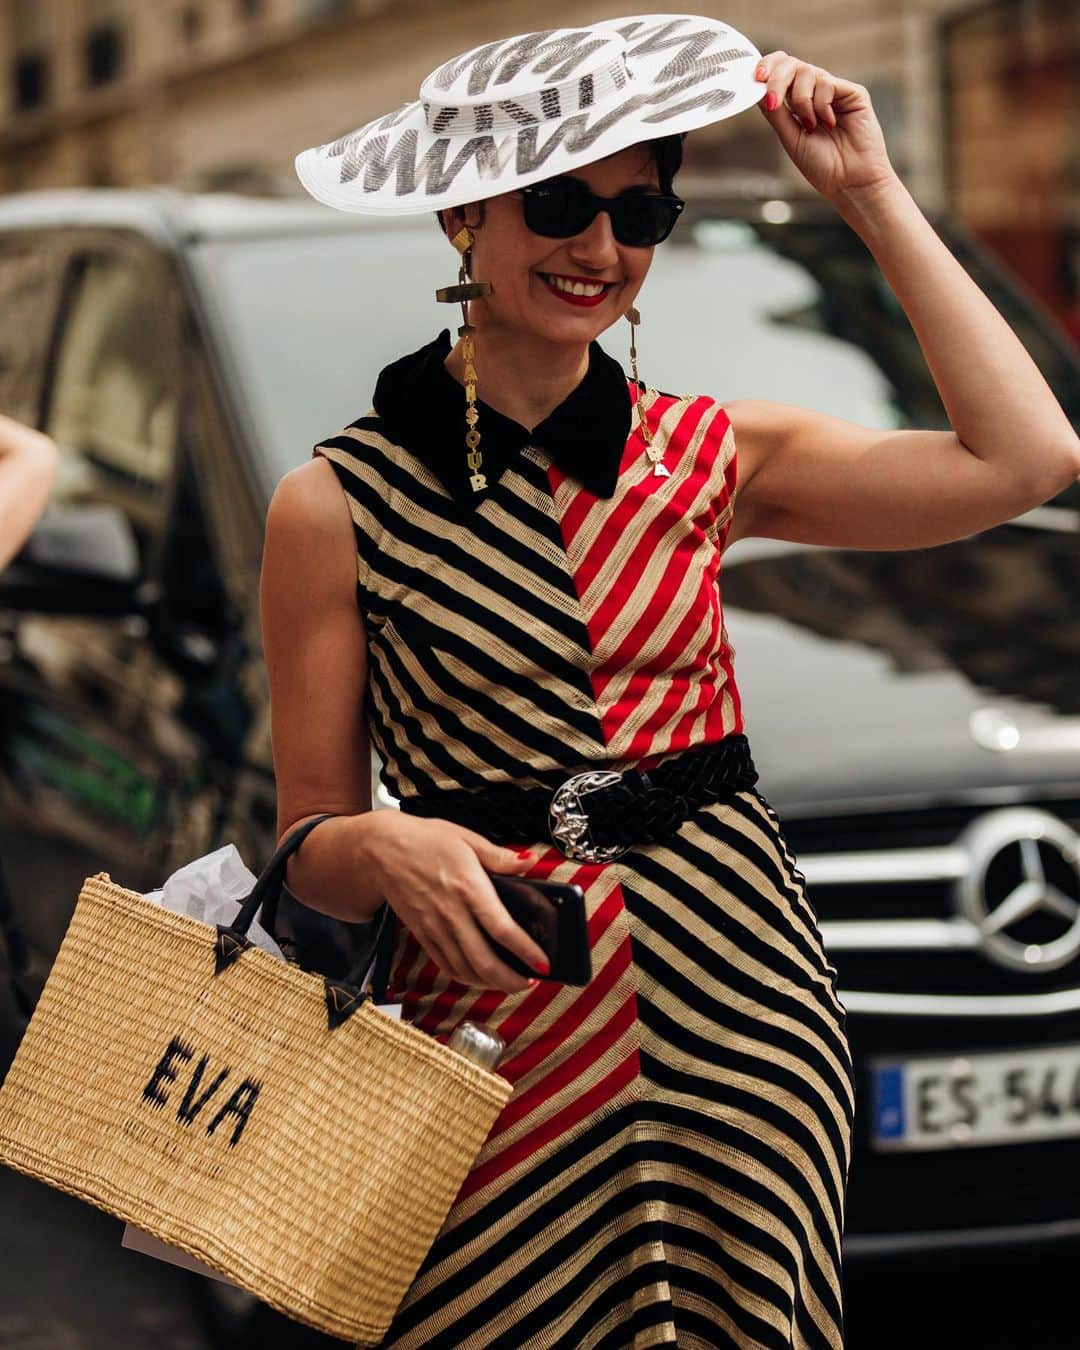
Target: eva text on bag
<point x="238" y="1105"/>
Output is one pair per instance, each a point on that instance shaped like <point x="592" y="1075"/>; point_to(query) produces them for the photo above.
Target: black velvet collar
<point x="424" y="410"/>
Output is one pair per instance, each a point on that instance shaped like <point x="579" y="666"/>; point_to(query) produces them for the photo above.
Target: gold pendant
<point x="659" y="468"/>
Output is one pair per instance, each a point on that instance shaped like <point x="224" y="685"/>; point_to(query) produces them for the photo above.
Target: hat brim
<point x="404" y="168"/>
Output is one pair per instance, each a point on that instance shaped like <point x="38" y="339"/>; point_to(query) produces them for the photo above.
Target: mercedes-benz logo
<point x="1008" y="882"/>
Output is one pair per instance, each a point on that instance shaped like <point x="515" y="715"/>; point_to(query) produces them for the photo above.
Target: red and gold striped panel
<point x="646" y="567"/>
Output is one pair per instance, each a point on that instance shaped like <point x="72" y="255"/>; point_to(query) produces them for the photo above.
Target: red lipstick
<point x="588" y="301"/>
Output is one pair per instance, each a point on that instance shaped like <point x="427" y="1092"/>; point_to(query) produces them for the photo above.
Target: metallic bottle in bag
<point x="480" y="1044"/>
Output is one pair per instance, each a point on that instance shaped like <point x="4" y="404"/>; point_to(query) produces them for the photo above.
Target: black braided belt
<point x="596" y="815"/>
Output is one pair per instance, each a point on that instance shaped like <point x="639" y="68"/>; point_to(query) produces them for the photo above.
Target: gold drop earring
<point x="462" y="293"/>
<point x="655" y="454"/>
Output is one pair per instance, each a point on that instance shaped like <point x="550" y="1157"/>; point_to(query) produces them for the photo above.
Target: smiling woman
<point x="506" y="576"/>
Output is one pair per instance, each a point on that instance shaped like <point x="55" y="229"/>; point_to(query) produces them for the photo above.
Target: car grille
<point x="884" y="886"/>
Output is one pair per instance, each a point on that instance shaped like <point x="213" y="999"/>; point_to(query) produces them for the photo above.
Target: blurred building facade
<point x="980" y="102"/>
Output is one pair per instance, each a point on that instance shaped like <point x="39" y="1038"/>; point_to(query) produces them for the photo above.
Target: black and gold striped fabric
<point x="671" y="1167"/>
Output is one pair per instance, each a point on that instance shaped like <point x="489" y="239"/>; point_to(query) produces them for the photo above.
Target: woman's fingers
<point x="486" y="916"/>
<point x="446" y="958"/>
<point x="490" y="916"/>
<point x="807" y="90"/>
<point x="496" y="920"/>
<point x="494" y="857"/>
<point x="801" y="95"/>
<point x="850" y="153"/>
<point x="486" y="967"/>
<point x="824" y="94"/>
<point x="464" y="953"/>
<point x="437" y="876"/>
<point x="448" y="925"/>
<point x="779" y="70"/>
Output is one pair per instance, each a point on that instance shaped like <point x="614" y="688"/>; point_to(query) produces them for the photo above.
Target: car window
<point x="113" y="404"/>
<point x="957" y="661"/>
<point x="30" y="281"/>
<point x="856" y="304"/>
<point x="189" y="574"/>
<point x="310" y="319"/>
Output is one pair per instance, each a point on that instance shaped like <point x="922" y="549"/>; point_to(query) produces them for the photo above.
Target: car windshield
<point x="782" y="309"/>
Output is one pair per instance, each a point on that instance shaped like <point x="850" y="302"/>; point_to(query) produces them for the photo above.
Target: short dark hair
<point x="666" y="153"/>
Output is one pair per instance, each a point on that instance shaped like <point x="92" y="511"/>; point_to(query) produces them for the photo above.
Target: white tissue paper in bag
<point x="138" y="1240"/>
<point x="212" y="889"/>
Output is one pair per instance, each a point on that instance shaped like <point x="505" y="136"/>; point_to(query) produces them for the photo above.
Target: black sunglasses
<point x="562" y="207"/>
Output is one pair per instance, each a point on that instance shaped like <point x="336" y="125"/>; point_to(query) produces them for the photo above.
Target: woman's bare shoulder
<point x="309" y="530"/>
<point x="754" y="421"/>
<point x="307" y="497"/>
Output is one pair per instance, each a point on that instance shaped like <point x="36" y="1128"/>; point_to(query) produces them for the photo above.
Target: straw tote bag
<point x="275" y="1124"/>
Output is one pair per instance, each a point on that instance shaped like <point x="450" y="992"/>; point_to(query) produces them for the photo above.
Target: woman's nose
<point x="596" y="246"/>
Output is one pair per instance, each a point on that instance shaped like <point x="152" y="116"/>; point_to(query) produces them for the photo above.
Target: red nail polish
<point x="543" y="967"/>
<point x="770" y="100"/>
<point x="808" y="127"/>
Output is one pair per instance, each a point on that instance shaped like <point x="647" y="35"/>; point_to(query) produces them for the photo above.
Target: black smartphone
<point x="553" y="915"/>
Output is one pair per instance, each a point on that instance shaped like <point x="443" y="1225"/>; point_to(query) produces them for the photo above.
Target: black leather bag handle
<point x="344" y="996"/>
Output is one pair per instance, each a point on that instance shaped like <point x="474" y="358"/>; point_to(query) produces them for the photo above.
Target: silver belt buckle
<point x="568" y="824"/>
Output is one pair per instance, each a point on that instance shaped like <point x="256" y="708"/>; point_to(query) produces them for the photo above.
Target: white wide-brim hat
<point x="513" y="112"/>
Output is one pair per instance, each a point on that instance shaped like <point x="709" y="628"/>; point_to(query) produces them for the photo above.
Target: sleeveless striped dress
<point x="671" y="1167"/>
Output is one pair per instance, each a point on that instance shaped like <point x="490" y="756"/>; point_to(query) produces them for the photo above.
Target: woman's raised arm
<point x="818" y="479"/>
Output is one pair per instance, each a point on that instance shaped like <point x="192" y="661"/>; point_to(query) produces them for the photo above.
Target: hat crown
<point x="524" y="81"/>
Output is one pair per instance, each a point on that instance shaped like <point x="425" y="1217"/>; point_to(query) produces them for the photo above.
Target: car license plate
<point x="976" y="1099"/>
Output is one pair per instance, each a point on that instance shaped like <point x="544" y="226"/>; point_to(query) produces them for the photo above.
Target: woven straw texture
<point x="318" y="1171"/>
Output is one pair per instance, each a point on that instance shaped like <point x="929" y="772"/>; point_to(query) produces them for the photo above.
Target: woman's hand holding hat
<point x="826" y="124"/>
